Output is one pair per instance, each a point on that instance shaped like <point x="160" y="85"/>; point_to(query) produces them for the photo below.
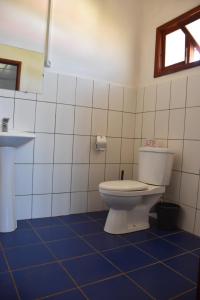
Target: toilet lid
<point x="123" y="185"/>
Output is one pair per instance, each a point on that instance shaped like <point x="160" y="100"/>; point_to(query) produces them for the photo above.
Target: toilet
<point x="130" y="201"/>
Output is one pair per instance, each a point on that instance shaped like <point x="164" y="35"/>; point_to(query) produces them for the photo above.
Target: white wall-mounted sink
<point x="9" y="141"/>
<point x="14" y="138"/>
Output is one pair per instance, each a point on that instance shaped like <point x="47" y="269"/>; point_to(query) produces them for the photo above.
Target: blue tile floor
<point x="72" y="258"/>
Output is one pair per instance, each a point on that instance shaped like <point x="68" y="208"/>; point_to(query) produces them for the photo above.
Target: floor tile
<point x="89" y="268"/>
<point x="18" y="238"/>
<point x="160" y="249"/>
<point x="119" y="288"/>
<point x="139" y="236"/>
<point x="41" y="281"/>
<point x="161" y="282"/>
<point x="186" y="264"/>
<point x="98" y="214"/>
<point x="41" y="222"/>
<point x="105" y="241"/>
<point x="69" y="248"/>
<point x="185" y="240"/>
<point x="128" y="258"/>
<point x="29" y="255"/>
<point x="3" y="266"/>
<point x="161" y="232"/>
<point x="87" y="228"/>
<point x="7" y="290"/>
<point x="55" y="233"/>
<point x="188" y="296"/>
<point x="72" y="295"/>
<point x="23" y="224"/>
<point x="76" y="218"/>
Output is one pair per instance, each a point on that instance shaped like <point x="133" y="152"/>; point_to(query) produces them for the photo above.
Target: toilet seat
<point x="129" y="188"/>
<point x="123" y="185"/>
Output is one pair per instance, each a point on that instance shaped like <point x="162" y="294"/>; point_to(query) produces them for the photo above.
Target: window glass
<point x="174" y="47"/>
<point x="194" y="29"/>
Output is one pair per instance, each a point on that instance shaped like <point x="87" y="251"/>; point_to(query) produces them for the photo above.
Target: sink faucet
<point x="5" y="124"/>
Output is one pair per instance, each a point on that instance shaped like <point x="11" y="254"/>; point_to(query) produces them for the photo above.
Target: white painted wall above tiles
<point x="59" y="172"/>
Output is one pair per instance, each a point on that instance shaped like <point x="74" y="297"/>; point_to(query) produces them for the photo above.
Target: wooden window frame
<point x="163" y="30"/>
<point x="16" y="63"/>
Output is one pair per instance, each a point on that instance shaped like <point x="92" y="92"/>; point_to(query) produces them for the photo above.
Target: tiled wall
<point x="59" y="172"/>
<point x="170" y="113"/>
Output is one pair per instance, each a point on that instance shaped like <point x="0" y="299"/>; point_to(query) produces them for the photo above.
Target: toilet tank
<point x="155" y="165"/>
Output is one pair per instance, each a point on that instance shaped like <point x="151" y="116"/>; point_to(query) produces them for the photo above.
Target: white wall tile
<point x="23" y="179"/>
<point x="176" y="123"/>
<point x="99" y="122"/>
<point x="44" y="147"/>
<point x="130" y="98"/>
<point x="178" y="92"/>
<point x="81" y="149"/>
<point x="24" y="118"/>
<point x="189" y="189"/>
<point x="78" y="202"/>
<point x="148" y="125"/>
<point x="63" y="148"/>
<point x="112" y="172"/>
<point x="163" y="95"/>
<point x="66" y="89"/>
<point x="41" y="206"/>
<point x="100" y="94"/>
<point x="24" y="153"/>
<point x="173" y="190"/>
<point x="95" y="202"/>
<point x="114" y="124"/>
<point x="137" y="145"/>
<point x="128" y="171"/>
<point x="186" y="218"/>
<point x="192" y="123"/>
<point x="140" y="100"/>
<point x="61" y="178"/>
<point x="128" y="129"/>
<point x="135" y="172"/>
<point x="161" y="124"/>
<point x="23" y="207"/>
<point x="65" y="119"/>
<point x="61" y="204"/>
<point x="6" y="110"/>
<point x="45" y="117"/>
<point x="25" y="95"/>
<point x="177" y="147"/>
<point x="50" y="88"/>
<point x="193" y="91"/>
<point x="191" y="157"/>
<point x="138" y="126"/>
<point x="116" y="97"/>
<point x="42" y="178"/>
<point x="83" y="120"/>
<point x="150" y="98"/>
<point x="80" y="174"/>
<point x="96" y="175"/>
<point x="84" y="92"/>
<point x="127" y="151"/>
<point x="7" y="93"/>
<point x="113" y="150"/>
<point x="96" y="156"/>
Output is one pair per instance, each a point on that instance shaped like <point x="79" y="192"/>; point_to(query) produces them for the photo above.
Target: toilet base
<point x="120" y="221"/>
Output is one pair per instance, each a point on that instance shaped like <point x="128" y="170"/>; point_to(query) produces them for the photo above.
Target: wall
<point x="89" y="38"/>
<point x="60" y="171"/>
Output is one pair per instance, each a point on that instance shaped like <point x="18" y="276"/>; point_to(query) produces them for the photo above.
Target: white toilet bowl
<point x="130" y="201"/>
<point x="129" y="204"/>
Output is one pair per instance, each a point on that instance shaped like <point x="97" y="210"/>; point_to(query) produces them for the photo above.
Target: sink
<point x="9" y="141"/>
<point x="14" y="138"/>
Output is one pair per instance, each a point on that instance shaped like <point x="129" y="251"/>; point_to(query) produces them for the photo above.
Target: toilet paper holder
<point x="101" y="143"/>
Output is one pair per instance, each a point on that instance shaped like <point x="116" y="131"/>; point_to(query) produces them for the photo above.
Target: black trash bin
<point x="167" y="214"/>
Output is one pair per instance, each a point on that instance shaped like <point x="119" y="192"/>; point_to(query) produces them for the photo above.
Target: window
<point x="10" y="71"/>
<point x="178" y="44"/>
